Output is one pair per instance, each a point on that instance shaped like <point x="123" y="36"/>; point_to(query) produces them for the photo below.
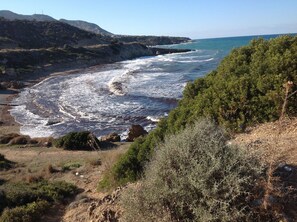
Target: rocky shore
<point x="32" y="50"/>
<point x="23" y="68"/>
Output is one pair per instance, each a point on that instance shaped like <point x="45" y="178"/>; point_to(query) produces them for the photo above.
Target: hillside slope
<point x="87" y="26"/>
<point x="9" y="15"/>
<point x="32" y="34"/>
<point x="93" y="28"/>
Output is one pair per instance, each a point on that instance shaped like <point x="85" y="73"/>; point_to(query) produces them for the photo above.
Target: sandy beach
<point x="7" y="122"/>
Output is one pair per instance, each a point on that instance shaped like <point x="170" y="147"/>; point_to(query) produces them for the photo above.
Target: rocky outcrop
<point x="16" y="139"/>
<point x="41" y="31"/>
<point x="152" y="40"/>
<point x="134" y="132"/>
<point x="4" y="139"/>
<point x="105" y="209"/>
<point x="35" y="46"/>
<point x="112" y="137"/>
<point x="27" y="62"/>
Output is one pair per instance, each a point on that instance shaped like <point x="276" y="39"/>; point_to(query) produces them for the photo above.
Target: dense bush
<point x="21" y="194"/>
<point x="4" y="163"/>
<point x="27" y="213"/>
<point x="77" y="141"/>
<point x="245" y="89"/>
<point x="194" y="176"/>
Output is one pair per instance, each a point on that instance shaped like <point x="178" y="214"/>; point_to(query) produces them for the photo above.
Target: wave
<point x="116" y="88"/>
<point x="196" y="60"/>
<point x="153" y="119"/>
<point x="138" y="91"/>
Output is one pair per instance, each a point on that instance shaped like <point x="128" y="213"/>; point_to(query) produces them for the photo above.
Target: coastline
<point x="8" y="123"/>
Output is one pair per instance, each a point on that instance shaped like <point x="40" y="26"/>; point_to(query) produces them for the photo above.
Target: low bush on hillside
<point x="195" y="176"/>
<point x="28" y="200"/>
<point x="245" y="89"/>
<point x="4" y="163"/>
<point x="78" y="141"/>
<point x="27" y="213"/>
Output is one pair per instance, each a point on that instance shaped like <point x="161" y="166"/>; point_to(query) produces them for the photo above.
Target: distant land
<point x="94" y="28"/>
<point x="32" y="45"/>
<point x="90" y="27"/>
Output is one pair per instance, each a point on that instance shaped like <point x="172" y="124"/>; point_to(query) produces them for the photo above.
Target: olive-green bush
<point x="25" y="197"/>
<point x="4" y="163"/>
<point x="77" y="141"/>
<point x="27" y="213"/>
<point x="194" y="176"/>
<point x="245" y="89"/>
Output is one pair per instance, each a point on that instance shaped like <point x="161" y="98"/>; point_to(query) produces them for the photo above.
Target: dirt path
<point x="275" y="140"/>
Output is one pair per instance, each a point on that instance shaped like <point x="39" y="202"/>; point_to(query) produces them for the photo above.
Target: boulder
<point x="4" y="139"/>
<point x="134" y="132"/>
<point x="112" y="137"/>
<point x="20" y="140"/>
<point x="17" y="85"/>
<point x="42" y="141"/>
<point x="52" y="122"/>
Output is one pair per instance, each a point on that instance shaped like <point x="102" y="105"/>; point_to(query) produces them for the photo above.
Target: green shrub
<point x="19" y="194"/>
<point x="71" y="166"/>
<point x="4" y="163"/>
<point x="130" y="165"/>
<point x="77" y="141"/>
<point x="194" y="176"/>
<point x="27" y="213"/>
<point x="245" y="89"/>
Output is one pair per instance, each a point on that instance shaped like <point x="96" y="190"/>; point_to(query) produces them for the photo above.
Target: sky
<point x="190" y="18"/>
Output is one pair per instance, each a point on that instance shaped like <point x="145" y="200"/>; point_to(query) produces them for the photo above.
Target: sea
<point x="115" y="96"/>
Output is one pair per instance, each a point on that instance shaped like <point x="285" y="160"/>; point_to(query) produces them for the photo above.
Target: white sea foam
<point x="153" y="119"/>
<point x="137" y="91"/>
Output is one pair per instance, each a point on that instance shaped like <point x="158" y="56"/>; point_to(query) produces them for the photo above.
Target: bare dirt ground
<point x="277" y="140"/>
<point x="7" y="122"/>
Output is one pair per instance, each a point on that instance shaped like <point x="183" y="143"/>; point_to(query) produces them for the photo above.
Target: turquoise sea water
<point x="150" y="88"/>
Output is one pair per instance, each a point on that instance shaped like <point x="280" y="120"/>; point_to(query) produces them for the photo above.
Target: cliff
<point x="28" y="47"/>
<point x="152" y="40"/>
<point x="86" y="26"/>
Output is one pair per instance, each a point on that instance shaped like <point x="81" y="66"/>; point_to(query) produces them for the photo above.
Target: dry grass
<point x="273" y="140"/>
<point x="277" y="143"/>
<point x="110" y="157"/>
<point x="49" y="162"/>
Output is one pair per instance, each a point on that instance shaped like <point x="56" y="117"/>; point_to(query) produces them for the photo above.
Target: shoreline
<point x="7" y="121"/>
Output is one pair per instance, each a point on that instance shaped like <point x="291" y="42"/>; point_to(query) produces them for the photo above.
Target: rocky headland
<point x="29" y="49"/>
<point x="34" y="47"/>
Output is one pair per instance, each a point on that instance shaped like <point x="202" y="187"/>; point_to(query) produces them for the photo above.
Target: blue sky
<point x="192" y="18"/>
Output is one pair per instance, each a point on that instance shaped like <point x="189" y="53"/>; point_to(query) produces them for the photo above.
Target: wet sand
<point x="7" y="122"/>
